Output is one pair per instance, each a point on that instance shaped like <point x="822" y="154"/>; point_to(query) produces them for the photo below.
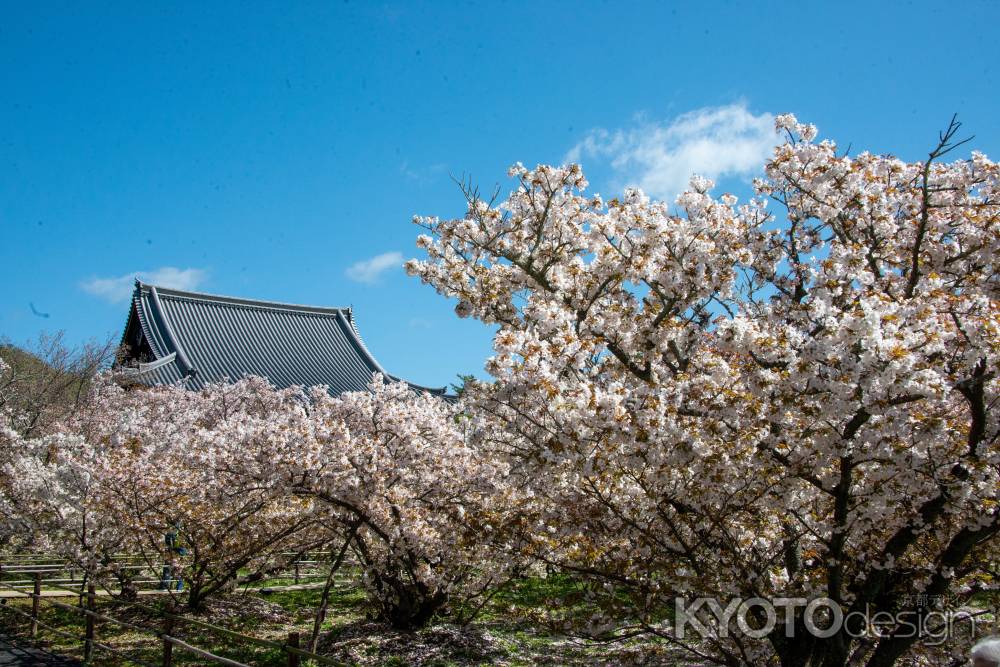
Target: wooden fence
<point x="32" y="583"/>
<point x="299" y="570"/>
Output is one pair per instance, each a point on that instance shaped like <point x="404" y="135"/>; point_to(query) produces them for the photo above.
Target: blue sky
<point x="280" y="150"/>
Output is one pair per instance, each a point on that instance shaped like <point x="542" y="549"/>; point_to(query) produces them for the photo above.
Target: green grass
<point x="135" y="644"/>
<point x="509" y="630"/>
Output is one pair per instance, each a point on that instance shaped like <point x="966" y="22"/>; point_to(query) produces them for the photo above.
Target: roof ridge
<point x="242" y="301"/>
<point x="232" y="335"/>
<point x="187" y="368"/>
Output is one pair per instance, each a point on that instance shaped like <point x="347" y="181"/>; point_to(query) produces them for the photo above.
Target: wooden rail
<point x="299" y="570"/>
<point x="170" y="621"/>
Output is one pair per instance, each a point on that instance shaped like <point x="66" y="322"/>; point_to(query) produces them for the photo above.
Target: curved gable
<point x="211" y="338"/>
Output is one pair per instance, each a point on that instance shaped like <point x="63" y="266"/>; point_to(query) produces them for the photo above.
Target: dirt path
<point x="13" y="654"/>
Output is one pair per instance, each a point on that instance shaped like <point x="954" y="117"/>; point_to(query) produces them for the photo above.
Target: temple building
<point x="174" y="336"/>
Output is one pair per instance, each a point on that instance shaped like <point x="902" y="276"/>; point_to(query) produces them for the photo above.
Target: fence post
<point x="294" y="660"/>
<point x="35" y="602"/>
<point x="88" y="639"/>
<point x="296" y="572"/>
<point x="168" y="631"/>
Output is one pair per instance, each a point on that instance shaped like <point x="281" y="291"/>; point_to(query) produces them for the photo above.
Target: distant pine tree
<point x="458" y="388"/>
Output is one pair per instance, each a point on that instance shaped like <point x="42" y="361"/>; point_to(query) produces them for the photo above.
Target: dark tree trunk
<point x="413" y="609"/>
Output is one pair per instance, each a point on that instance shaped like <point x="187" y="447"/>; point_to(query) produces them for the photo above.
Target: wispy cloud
<point x="117" y="290"/>
<point x="370" y="270"/>
<point x="422" y="174"/>
<point x="661" y="157"/>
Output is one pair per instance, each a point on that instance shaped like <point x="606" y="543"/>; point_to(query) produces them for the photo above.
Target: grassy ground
<point x="507" y="632"/>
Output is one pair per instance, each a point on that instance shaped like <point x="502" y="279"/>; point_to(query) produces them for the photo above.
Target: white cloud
<point x="370" y="270"/>
<point x="119" y="289"/>
<point x="422" y="174"/>
<point x="661" y="157"/>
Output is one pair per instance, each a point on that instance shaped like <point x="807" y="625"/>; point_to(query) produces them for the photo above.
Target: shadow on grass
<point x="367" y="642"/>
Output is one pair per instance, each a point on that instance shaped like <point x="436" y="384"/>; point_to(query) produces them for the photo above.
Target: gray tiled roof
<point x="198" y="338"/>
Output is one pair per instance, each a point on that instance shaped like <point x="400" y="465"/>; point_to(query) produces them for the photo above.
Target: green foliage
<point x="507" y="631"/>
<point x="458" y="388"/>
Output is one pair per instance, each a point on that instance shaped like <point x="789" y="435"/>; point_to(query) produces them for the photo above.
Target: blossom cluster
<point x="786" y="397"/>
<point x="232" y="482"/>
<point x="791" y="397"/>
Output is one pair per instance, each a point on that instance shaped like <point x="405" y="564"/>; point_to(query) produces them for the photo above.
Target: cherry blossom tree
<point x="43" y="501"/>
<point x="47" y="381"/>
<point x="232" y="482"/>
<point x="793" y="397"/>
<point x="145" y="472"/>
<point x="418" y="505"/>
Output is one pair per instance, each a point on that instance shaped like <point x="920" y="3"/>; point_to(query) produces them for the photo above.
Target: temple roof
<point x="199" y="339"/>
